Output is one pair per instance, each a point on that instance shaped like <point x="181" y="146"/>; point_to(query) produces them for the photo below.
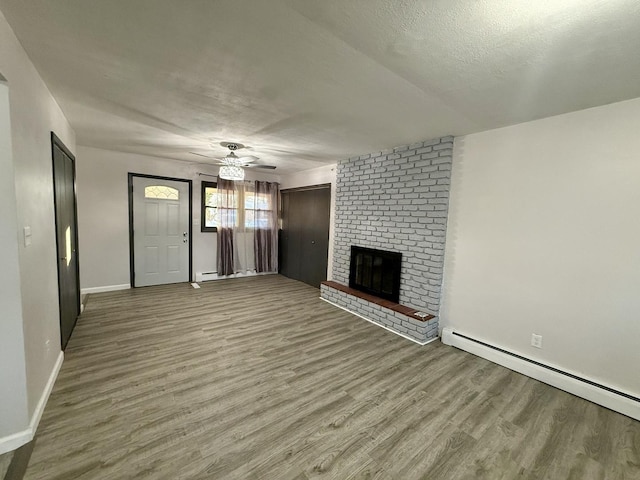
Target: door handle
<point x="313" y="242"/>
<point x="184" y="234"/>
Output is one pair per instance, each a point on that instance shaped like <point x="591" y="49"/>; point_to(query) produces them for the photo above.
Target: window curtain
<point x="243" y="261"/>
<point x="227" y="210"/>
<point x="265" y="238"/>
<point x="248" y="227"/>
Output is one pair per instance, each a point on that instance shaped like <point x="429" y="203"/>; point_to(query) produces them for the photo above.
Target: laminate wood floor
<point x="257" y="378"/>
<point x="5" y="461"/>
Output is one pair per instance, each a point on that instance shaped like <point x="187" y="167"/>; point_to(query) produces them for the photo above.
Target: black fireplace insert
<point x="376" y="272"/>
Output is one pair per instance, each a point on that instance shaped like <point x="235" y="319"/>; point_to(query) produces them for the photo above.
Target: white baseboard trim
<point x="206" y="276"/>
<point x="16" y="440"/>
<point x="106" y="288"/>
<point x="37" y="415"/>
<point x="571" y="382"/>
<point x="379" y="325"/>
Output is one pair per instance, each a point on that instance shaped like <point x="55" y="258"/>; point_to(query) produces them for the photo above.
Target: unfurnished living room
<point x="340" y="239"/>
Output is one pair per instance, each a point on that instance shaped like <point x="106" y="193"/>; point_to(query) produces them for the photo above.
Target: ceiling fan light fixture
<point x="233" y="160"/>
<point x="231" y="172"/>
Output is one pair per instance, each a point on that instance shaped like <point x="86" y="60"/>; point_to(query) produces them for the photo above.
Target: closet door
<point x="64" y="190"/>
<point x="305" y="234"/>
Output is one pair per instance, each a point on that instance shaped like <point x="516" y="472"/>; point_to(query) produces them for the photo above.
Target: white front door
<point x="160" y="231"/>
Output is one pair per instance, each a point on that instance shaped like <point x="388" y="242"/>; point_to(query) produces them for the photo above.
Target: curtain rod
<point x="200" y="174"/>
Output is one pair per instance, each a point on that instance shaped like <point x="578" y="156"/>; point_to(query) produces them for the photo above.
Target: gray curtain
<point x="265" y="215"/>
<point x="227" y="213"/>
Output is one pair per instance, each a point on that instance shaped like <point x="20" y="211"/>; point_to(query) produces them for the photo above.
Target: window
<point x="209" y="215"/>
<point x="257" y="211"/>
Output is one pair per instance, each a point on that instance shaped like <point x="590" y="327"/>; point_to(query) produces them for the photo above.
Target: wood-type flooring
<point x="257" y="378"/>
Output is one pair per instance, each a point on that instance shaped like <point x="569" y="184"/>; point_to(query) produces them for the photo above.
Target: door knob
<point x="184" y="234"/>
<point x="313" y="242"/>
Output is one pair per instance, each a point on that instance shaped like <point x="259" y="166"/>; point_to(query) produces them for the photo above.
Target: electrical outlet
<point x="536" y="340"/>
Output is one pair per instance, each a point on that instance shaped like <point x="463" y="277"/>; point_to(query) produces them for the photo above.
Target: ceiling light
<point x="231" y="172"/>
<point x="233" y="159"/>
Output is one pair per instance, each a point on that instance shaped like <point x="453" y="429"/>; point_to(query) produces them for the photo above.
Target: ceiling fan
<point x="232" y="166"/>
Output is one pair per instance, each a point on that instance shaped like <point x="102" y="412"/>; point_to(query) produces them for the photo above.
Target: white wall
<point x="544" y="236"/>
<point x="317" y="176"/>
<point x="103" y="212"/>
<point x="33" y="115"/>
<point x="13" y="376"/>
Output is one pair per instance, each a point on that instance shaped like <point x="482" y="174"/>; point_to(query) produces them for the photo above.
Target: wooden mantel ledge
<point x="396" y="307"/>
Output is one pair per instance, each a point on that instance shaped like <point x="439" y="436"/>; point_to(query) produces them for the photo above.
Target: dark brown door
<point x="66" y="237"/>
<point x="305" y="234"/>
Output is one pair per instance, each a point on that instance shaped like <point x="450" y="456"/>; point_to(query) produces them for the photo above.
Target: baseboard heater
<point x="614" y="399"/>
<point x="206" y="276"/>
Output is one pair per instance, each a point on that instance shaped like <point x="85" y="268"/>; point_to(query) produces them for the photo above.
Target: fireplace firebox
<point x="376" y="272"/>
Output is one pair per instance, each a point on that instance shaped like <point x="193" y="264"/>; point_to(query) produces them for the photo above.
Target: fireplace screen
<point x="376" y="272"/>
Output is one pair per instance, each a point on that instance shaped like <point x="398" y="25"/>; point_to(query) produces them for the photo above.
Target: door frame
<point x="131" y="252"/>
<point x="56" y="142"/>
<point x="319" y="186"/>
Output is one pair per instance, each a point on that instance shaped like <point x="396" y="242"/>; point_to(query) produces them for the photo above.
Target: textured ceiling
<point x="308" y="82"/>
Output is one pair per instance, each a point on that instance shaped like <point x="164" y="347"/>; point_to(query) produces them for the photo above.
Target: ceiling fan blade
<point x="249" y="158"/>
<point x="244" y="161"/>
<point x="253" y="165"/>
<point x="202" y="155"/>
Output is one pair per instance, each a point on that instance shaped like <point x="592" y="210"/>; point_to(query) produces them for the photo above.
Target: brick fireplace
<point x="395" y="200"/>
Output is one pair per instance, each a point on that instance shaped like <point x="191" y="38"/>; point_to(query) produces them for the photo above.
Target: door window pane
<point x="161" y="192"/>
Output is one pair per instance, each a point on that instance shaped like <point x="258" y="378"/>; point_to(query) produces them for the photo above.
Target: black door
<point x="305" y="234"/>
<point x="66" y="237"/>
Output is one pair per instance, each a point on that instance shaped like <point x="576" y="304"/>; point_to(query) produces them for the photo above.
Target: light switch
<point x="27" y="236"/>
